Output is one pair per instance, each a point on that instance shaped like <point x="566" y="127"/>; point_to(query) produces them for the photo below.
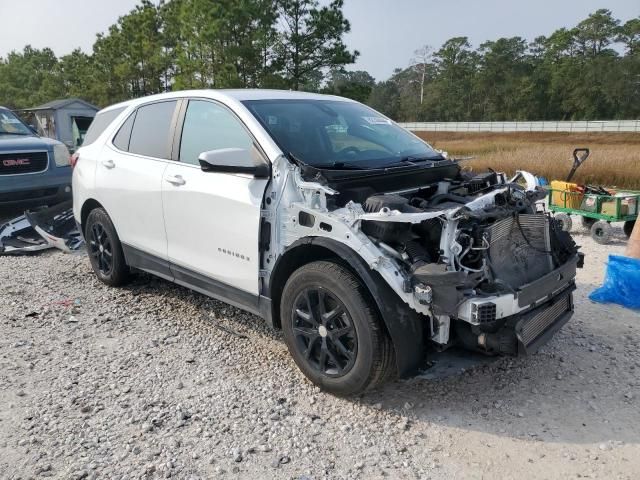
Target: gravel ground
<point x="154" y="381"/>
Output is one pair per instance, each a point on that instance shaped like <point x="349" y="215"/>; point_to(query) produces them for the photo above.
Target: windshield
<point x="10" y="124"/>
<point x="336" y="134"/>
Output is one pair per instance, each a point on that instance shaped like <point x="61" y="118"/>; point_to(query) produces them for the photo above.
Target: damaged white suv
<point x="367" y="247"/>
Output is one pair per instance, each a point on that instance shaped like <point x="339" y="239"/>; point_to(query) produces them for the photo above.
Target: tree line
<point x="590" y="71"/>
<point x="182" y="44"/>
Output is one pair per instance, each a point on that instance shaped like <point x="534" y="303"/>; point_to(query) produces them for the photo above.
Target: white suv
<point x="367" y="247"/>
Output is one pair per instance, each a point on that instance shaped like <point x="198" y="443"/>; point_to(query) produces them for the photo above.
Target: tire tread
<point x="383" y="367"/>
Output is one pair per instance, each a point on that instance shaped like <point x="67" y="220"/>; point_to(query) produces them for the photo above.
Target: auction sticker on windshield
<point x="377" y="120"/>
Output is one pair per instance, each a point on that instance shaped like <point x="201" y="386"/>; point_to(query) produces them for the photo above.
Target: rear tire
<point x="601" y="232"/>
<point x="565" y="221"/>
<point x="333" y="331"/>
<point x="627" y="228"/>
<point x="104" y="249"/>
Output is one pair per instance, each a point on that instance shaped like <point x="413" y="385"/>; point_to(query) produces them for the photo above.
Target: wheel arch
<point x="87" y="206"/>
<point x="403" y="324"/>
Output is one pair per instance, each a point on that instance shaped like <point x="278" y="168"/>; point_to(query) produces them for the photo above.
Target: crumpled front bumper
<point x="481" y="310"/>
<point x="525" y="332"/>
<point x="536" y="327"/>
<point x="519" y="323"/>
<point x="41" y="229"/>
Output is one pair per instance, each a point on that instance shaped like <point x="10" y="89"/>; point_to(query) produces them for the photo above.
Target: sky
<point x="385" y="32"/>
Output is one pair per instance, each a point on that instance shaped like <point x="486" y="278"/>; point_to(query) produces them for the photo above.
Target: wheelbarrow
<point x="597" y="206"/>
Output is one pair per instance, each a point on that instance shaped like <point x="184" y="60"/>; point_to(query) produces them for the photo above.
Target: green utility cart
<point x="594" y="204"/>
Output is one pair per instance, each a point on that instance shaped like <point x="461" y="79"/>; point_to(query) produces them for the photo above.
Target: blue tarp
<point x="621" y="283"/>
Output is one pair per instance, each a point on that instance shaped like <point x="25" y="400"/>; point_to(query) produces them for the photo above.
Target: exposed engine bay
<point x="476" y="254"/>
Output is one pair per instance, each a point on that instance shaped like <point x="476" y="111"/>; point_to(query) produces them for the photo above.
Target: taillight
<point x="74" y="159"/>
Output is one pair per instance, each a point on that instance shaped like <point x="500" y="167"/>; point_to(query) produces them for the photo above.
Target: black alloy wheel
<point x="324" y="332"/>
<point x="104" y="249"/>
<point x="101" y="249"/>
<point x="333" y="330"/>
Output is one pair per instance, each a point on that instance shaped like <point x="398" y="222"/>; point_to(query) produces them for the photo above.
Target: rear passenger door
<point x="212" y="219"/>
<point x="129" y="177"/>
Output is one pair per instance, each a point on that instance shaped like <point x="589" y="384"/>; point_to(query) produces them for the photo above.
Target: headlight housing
<point x="61" y="155"/>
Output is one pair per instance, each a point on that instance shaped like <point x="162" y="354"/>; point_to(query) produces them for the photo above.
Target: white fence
<point x="566" y="126"/>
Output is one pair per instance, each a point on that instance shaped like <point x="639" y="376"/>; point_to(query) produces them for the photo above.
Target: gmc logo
<point x="16" y="162"/>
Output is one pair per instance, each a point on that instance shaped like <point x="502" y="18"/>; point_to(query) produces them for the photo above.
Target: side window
<point x="121" y="140"/>
<point x="101" y="121"/>
<point x="151" y="129"/>
<point x="208" y="126"/>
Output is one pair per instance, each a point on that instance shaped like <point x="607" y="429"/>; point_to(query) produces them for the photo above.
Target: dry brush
<point x="614" y="160"/>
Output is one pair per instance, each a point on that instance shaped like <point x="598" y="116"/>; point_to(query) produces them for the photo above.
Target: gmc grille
<point x="23" y="162"/>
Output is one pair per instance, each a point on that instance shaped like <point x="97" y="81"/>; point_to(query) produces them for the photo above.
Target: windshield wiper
<point x="13" y="133"/>
<point x="349" y="166"/>
<point x="335" y="165"/>
<point x="413" y="160"/>
<point x="341" y="166"/>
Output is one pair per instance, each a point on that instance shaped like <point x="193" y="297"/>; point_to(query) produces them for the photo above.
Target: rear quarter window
<point x="122" y="138"/>
<point x="100" y="123"/>
<point x="151" y="130"/>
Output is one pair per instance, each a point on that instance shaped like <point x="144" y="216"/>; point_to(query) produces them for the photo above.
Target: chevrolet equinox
<point x="368" y="248"/>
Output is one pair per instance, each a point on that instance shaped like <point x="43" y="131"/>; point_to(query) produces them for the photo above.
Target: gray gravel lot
<point x="154" y="381"/>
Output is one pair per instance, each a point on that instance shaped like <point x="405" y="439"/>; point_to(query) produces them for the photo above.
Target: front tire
<point x="333" y="331"/>
<point x="105" y="250"/>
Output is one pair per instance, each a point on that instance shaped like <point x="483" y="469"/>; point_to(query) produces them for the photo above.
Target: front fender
<point x="404" y="325"/>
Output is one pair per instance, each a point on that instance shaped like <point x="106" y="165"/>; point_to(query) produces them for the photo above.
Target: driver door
<point x="212" y="219"/>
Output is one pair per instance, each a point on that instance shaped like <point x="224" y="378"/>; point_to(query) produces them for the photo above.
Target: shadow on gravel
<point x="146" y="284"/>
<point x="582" y="387"/>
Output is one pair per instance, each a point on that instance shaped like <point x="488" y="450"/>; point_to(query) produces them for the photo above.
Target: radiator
<point x="519" y="249"/>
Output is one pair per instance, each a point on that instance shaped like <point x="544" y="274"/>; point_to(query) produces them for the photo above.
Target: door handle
<point x="109" y="164"/>
<point x="176" y="180"/>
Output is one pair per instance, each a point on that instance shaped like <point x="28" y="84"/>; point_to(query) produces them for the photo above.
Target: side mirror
<point x="234" y="160"/>
<point x="33" y="128"/>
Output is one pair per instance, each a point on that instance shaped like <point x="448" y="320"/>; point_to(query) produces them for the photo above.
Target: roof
<point x="266" y="94"/>
<point x="62" y="103"/>
<point x="238" y="95"/>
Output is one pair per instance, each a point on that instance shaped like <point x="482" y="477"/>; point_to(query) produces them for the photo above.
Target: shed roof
<point x="63" y="103"/>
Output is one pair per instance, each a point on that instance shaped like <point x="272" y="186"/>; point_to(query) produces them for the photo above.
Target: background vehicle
<point x="365" y="245"/>
<point x="32" y="169"/>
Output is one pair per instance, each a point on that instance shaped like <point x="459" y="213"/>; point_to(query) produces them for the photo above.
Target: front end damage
<point x="476" y="256"/>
